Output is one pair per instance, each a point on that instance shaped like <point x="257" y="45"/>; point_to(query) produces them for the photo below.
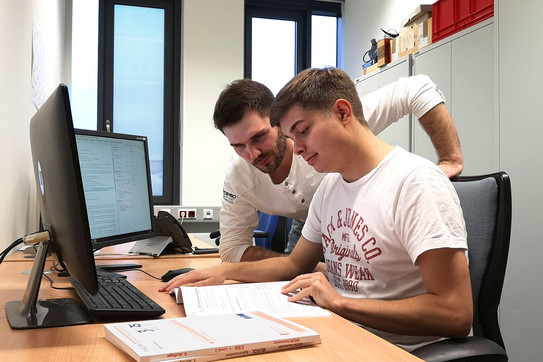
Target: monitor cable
<point x="52" y="282"/>
<point x="4" y="253"/>
<point x="30" y="239"/>
<point x="144" y="272"/>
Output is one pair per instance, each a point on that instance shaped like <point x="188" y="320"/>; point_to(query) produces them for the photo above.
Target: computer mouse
<point x="173" y="273"/>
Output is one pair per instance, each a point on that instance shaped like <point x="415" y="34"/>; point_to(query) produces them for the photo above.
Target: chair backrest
<point x="486" y="204"/>
<point x="277" y="227"/>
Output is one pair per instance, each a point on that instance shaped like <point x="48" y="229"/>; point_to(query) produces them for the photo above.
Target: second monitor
<point x="117" y="185"/>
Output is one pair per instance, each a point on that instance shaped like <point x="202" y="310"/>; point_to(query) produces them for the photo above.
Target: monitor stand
<point x="31" y="313"/>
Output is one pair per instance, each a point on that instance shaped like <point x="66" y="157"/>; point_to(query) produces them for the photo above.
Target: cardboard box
<point x="370" y="69"/>
<point x="384" y="54"/>
<point x="394" y="46"/>
<point x="425" y="33"/>
<point x="416" y="35"/>
<point x="421" y="10"/>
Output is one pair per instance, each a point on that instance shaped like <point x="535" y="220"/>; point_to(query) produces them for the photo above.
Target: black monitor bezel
<point x="99" y="243"/>
<point x="60" y="187"/>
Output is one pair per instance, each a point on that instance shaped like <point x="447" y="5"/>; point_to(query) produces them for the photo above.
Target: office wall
<point x="18" y="211"/>
<point x="212" y="58"/>
<point x="520" y="79"/>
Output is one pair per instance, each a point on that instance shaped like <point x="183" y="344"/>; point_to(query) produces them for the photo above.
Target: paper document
<point x="248" y="297"/>
<point x="208" y="338"/>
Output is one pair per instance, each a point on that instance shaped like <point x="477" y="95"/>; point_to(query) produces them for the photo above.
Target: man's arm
<point x="445" y="310"/>
<point x="439" y="125"/>
<point x="419" y="96"/>
<point x="238" y="220"/>
<point x="303" y="259"/>
<point x="254" y="253"/>
<point x="238" y="223"/>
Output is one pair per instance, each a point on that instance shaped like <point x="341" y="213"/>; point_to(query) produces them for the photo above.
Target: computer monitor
<point x="64" y="214"/>
<point x="117" y="185"/>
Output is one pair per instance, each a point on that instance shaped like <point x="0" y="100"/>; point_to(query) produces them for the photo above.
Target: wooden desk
<point x="120" y="251"/>
<point x="341" y="339"/>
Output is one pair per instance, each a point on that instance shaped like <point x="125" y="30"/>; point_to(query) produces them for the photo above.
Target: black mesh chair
<point x="486" y="204"/>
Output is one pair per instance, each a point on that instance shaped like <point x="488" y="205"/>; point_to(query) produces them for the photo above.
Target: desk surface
<point x="341" y="339"/>
<point x="121" y="252"/>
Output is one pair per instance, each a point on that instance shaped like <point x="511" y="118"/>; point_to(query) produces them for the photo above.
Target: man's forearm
<point x="254" y="253"/>
<point x="440" y="127"/>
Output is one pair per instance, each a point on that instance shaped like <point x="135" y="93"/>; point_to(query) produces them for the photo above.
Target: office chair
<point x="271" y="233"/>
<point x="278" y="228"/>
<point x="486" y="204"/>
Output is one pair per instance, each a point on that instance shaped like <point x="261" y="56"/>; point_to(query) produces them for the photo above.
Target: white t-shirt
<point x="247" y="189"/>
<point x="372" y="230"/>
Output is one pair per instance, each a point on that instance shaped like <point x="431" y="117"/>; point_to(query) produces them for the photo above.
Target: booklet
<point x="235" y="298"/>
<point x="208" y="338"/>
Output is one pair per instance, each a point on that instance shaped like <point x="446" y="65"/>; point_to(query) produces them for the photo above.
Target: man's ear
<point x="344" y="109"/>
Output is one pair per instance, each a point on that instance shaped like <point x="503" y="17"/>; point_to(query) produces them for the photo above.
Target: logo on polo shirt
<point x="228" y="197"/>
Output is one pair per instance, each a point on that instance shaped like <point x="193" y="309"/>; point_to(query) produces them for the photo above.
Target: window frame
<point x="172" y="86"/>
<point x="295" y="10"/>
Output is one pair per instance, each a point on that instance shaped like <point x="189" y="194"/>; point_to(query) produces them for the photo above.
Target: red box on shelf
<point x="451" y="16"/>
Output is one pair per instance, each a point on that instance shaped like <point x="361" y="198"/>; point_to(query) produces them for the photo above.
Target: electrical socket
<point x="208" y="214"/>
<point x="186" y="213"/>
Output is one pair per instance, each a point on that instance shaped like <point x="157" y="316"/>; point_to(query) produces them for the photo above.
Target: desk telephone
<point x="167" y="225"/>
<point x="170" y="238"/>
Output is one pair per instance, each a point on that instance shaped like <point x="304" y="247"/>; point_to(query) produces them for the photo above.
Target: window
<point x="284" y="37"/>
<point x="138" y="72"/>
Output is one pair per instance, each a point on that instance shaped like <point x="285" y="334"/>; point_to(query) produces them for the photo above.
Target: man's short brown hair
<point x="316" y="89"/>
<point x="239" y="97"/>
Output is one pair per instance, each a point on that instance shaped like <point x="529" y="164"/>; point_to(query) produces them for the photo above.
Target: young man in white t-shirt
<point x="266" y="176"/>
<point x="388" y="223"/>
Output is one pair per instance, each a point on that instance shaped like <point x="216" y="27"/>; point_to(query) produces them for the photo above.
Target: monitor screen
<point x="116" y="180"/>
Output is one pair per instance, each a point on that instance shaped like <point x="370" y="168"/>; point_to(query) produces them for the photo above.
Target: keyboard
<point x="117" y="299"/>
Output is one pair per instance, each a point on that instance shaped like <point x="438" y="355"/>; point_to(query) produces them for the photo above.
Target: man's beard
<point x="276" y="156"/>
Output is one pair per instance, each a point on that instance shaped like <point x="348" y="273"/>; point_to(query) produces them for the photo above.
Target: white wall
<point x="520" y="93"/>
<point x="18" y="211"/>
<point x="212" y="58"/>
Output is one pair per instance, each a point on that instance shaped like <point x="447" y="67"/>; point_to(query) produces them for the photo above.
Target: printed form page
<point x="248" y="297"/>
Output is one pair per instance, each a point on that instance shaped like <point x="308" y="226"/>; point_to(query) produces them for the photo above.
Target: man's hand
<point x="451" y="168"/>
<point x="214" y="275"/>
<point x="314" y="286"/>
<point x="321" y="268"/>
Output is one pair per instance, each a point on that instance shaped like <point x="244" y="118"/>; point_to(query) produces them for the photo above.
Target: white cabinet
<point x="398" y="133"/>
<point x="462" y="66"/>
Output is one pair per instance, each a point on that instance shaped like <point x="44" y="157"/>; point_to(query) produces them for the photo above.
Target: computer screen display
<point x="116" y="180"/>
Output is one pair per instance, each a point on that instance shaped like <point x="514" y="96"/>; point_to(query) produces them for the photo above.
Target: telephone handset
<point x="167" y="225"/>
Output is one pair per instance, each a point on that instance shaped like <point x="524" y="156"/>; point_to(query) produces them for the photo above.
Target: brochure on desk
<point x="208" y="338"/>
<point x="236" y="298"/>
